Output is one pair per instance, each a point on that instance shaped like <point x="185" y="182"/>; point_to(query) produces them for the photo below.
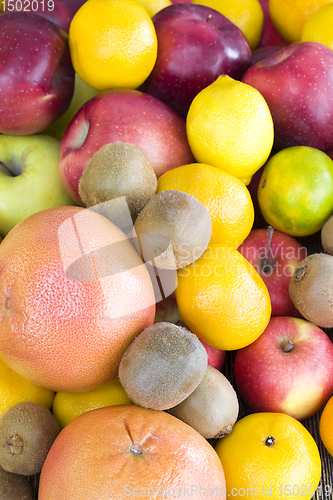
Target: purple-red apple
<point x="196" y="44"/>
<point x="60" y="12"/>
<point x="269" y="35"/>
<point x="275" y="256"/>
<point x="36" y="73"/>
<point x="288" y="369"/>
<point x="297" y="84"/>
<point x="123" y="115"/>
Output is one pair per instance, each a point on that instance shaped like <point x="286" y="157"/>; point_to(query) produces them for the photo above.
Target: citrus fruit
<point x="270" y="455"/>
<point x="226" y="198"/>
<point x="289" y="17"/>
<point x="112" y="43"/>
<point x="121" y="451"/>
<point x="15" y="389"/>
<point x="74" y="294"/>
<point x="69" y="405"/>
<point x="154" y="6"/>
<point x="222" y="299"/>
<point x="326" y="426"/>
<point x="295" y="192"/>
<point x="247" y="15"/>
<point x="229" y="126"/>
<point x="318" y="27"/>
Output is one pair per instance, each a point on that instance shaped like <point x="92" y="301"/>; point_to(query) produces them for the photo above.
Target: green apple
<point x="82" y="93"/>
<point x="29" y="178"/>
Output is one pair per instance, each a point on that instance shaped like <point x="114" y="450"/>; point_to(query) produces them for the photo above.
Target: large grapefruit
<point x="73" y="294"/>
<point x="125" y="451"/>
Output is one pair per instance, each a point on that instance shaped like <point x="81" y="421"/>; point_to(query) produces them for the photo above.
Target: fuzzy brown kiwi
<point x="311" y="289"/>
<point x="117" y="170"/>
<point x="27" y="431"/>
<point x="327" y="236"/>
<point x="14" y="486"/>
<point x="162" y="366"/>
<point x="173" y="220"/>
<point x="212" y="408"/>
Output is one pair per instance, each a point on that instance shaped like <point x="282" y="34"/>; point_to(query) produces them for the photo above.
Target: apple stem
<point x="7" y="170"/>
<point x="268" y="246"/>
<point x="288" y="346"/>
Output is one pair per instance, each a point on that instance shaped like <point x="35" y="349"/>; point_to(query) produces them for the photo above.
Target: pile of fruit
<point x="166" y="255"/>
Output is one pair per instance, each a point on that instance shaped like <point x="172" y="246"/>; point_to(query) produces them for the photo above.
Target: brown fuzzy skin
<point x="116" y="170"/>
<point x="212" y="408"/>
<point x="311" y="289"/>
<point x="27" y="431"/>
<point x="327" y="236"/>
<point x="14" y="486"/>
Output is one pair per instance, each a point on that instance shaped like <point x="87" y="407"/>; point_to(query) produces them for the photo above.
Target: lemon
<point x="289" y="16"/>
<point x="226" y="198"/>
<point x="154" y="6"/>
<point x="247" y="15"/>
<point x="318" y="28"/>
<point x="270" y="455"/>
<point x="112" y="43"/>
<point x="69" y="405"/>
<point x="229" y="126"/>
<point x="295" y="192"/>
<point x="15" y="389"/>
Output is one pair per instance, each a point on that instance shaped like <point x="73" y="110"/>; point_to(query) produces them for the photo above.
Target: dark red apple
<point x="269" y="36"/>
<point x="123" y="115"/>
<point x="61" y="12"/>
<point x="297" y="84"/>
<point x="275" y="256"/>
<point x="36" y="73"/>
<point x="288" y="369"/>
<point x="196" y="44"/>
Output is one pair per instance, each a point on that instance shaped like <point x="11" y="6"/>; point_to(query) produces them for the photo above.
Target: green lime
<point x="295" y="192"/>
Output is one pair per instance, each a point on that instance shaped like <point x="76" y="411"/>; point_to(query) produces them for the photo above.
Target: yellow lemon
<point x="69" y="405"/>
<point x="247" y="15"/>
<point x="326" y="426"/>
<point x="295" y="192"/>
<point x="112" y="43"/>
<point x="223" y="299"/>
<point x="15" y="389"/>
<point x="154" y="6"/>
<point x="226" y="198"/>
<point x="270" y="455"/>
<point x="318" y="28"/>
<point x="289" y="16"/>
<point x="229" y="126"/>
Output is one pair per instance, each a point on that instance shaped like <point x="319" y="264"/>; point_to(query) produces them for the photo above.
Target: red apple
<point x="61" y="12"/>
<point x="36" y="73"/>
<point x="297" y="83"/>
<point x="269" y="36"/>
<point x="288" y="369"/>
<point x="215" y="357"/>
<point x="196" y="44"/>
<point x="123" y="115"/>
<point x="275" y="263"/>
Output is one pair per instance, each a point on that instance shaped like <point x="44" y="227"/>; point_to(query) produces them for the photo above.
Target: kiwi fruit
<point x="162" y="366"/>
<point x="175" y="229"/>
<point x="311" y="289"/>
<point x="327" y="236"/>
<point x="14" y="486"/>
<point x="117" y="170"/>
<point x="212" y="408"/>
<point x="27" y="431"/>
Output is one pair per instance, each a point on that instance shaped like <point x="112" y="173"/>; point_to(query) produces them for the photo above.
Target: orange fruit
<point x="229" y="126"/>
<point x="121" y="451"/>
<point x="326" y="426"/>
<point x="295" y="192"/>
<point x="270" y="455"/>
<point x="226" y="198"/>
<point x="289" y="16"/>
<point x="318" y="27"/>
<point x="112" y="43"/>
<point x="66" y="318"/>
<point x="222" y="298"/>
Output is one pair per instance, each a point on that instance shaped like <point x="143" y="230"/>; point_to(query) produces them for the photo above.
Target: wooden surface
<point x="325" y="489"/>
